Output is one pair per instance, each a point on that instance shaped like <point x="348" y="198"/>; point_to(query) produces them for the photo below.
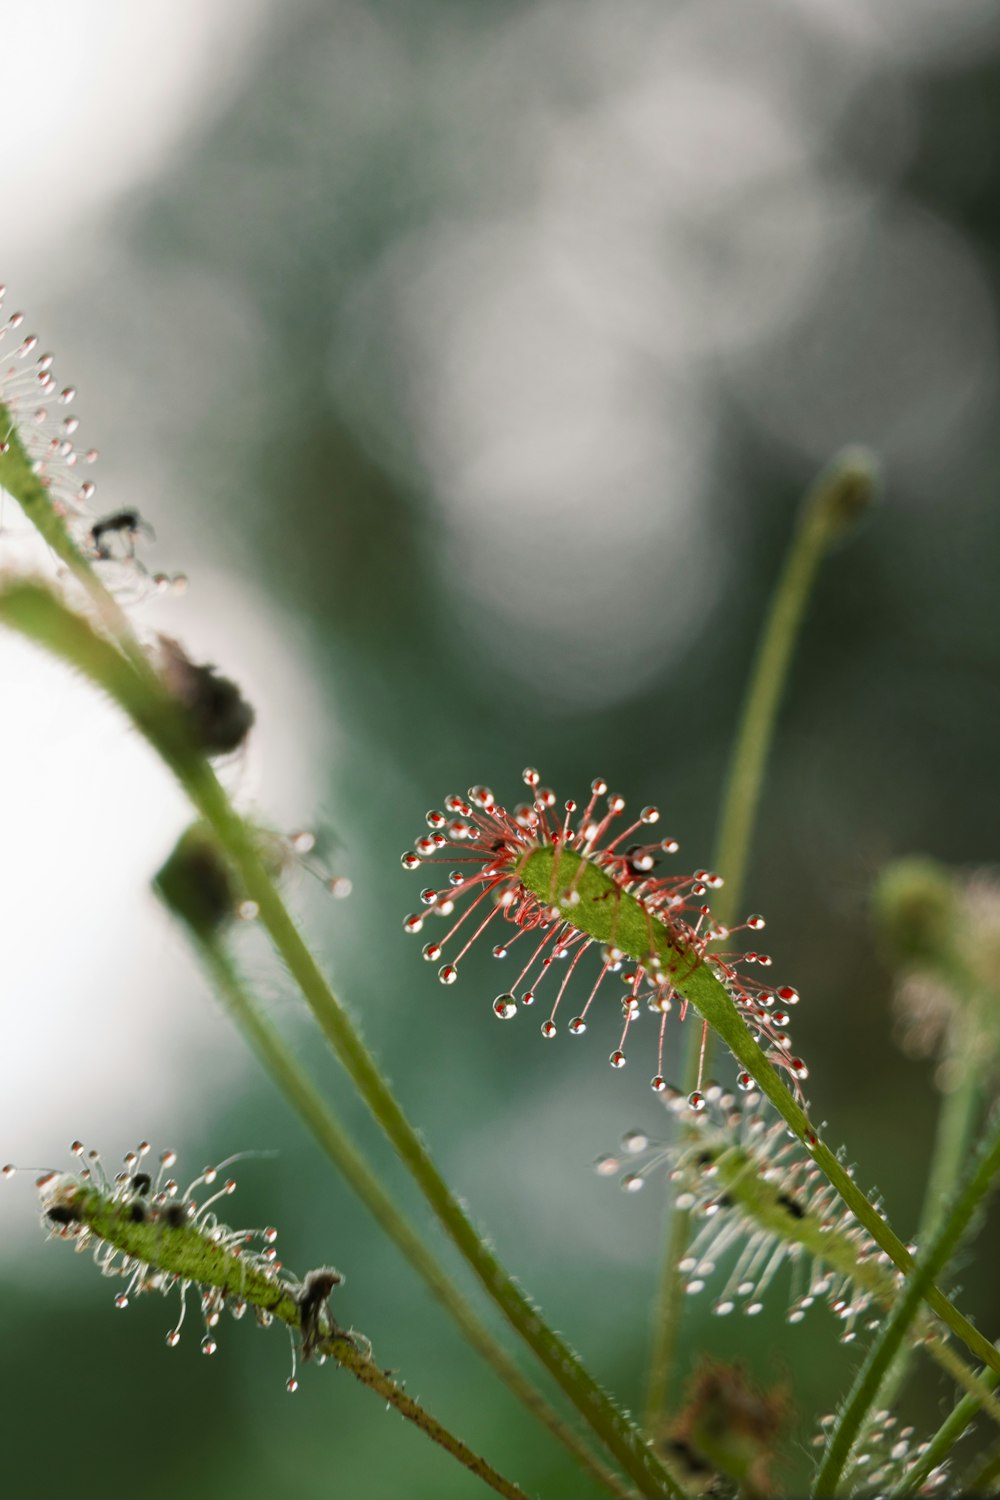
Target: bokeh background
<point x="471" y="361"/>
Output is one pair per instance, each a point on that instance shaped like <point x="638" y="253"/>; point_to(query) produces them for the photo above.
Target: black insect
<point x="124" y="523"/>
<point x="312" y="1298"/>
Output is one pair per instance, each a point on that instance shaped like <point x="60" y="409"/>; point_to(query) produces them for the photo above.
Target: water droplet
<point x="428" y="896"/>
<point x="499" y="951"/>
<point x="291" y="1384"/>
<point x="617" y="1059"/>
<point x="414" y="922"/>
<point x="633" y="1183"/>
<point x="658" y="1084"/>
<point x="121" y="1300"/>
<point x="409" y="860"/>
<point x="447" y="973"/>
<point x="208" y="1345"/>
<point x="168" y="1158"/>
<point x="577" y="1026"/>
<point x="598" y="786"/>
<point x="435" y="819"/>
<point x="694" y="1287"/>
<point x="788" y="995"/>
<point x="723" y="1308"/>
<point x="745" y="1083"/>
<point x="431" y="951"/>
<point x="247" y="911"/>
<point x="753" y="1308"/>
<point x="616" y="803"/>
<point x="696" y="1101"/>
<point x="505" y="1007"/>
<point x="528" y="998"/>
<point x="530" y="776"/>
<point x="173" y="1339"/>
<point x="635" y="1141"/>
<point x="606" y="1166"/>
<point x="482" y="797"/>
<point x="9" y="1169"/>
<point x="798" y="1068"/>
<point x="548" y="1029"/>
<point x="340" y="886"/>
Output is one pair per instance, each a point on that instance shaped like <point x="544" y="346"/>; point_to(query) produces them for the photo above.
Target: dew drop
<point x="577" y="1026"/>
<point x="658" y="1084"/>
<point x="499" y="951"/>
<point x="753" y="1308"/>
<point x="530" y="776"/>
<point x="696" y="1101"/>
<point x="606" y="1166"/>
<point x="414" y="922"/>
<point x="694" y="1287"/>
<point x="788" y="995"/>
<point x="617" y="1059"/>
<point x="168" y="1158"/>
<point x="798" y="1068"/>
<point x="409" y="860"/>
<point x="208" y="1345"/>
<point x="435" y="819"/>
<point x="745" y="1083"/>
<point x="340" y="886"/>
<point x="432" y="952"/>
<point x="247" y="911"/>
<point x="528" y="998"/>
<point x="598" y="786"/>
<point x="121" y="1300"/>
<point x="548" y="1028"/>
<point x="723" y="1308"/>
<point x="633" y="1183"/>
<point x="505" y="1007"/>
<point x="9" y="1169"/>
<point x="291" y="1384"/>
<point x="635" y="1141"/>
<point x="447" y="973"/>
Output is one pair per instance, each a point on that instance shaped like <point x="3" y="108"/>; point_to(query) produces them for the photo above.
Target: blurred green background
<point x="471" y="360"/>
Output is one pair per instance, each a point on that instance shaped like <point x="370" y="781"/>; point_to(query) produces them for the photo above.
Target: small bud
<point x="195" y="883"/>
<point x="845" y="490"/>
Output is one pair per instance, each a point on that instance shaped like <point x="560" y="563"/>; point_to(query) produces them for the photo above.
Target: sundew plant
<point x="602" y="931"/>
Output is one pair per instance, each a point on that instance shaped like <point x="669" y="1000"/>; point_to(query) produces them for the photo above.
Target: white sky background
<point x="559" y="360"/>
<point x="105" y="1024"/>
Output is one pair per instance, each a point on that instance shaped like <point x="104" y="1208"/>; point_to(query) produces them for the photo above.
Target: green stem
<point x="840" y="494"/>
<point x="869" y="1378"/>
<point x="43" y="618"/>
<point x="986" y="1480"/>
<point x="331" y="1135"/>
<point x="186" y="1251"/>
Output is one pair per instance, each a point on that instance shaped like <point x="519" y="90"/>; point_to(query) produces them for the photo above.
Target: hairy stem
<point x="331" y="1135"/>
<point x="842" y="493"/>
<point x="188" y="1252"/>
<point x="865" y="1390"/>
<point x="42" y="617"/>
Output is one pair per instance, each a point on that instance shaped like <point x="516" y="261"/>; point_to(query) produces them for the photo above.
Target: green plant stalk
<point x="986" y="1480"/>
<point x="841" y="493"/>
<point x="590" y="899"/>
<point x="866" y="1386"/>
<point x="188" y="1253"/>
<point x="39" y="615"/>
<point x="331" y="1135"/>
<point x="959" y="1112"/>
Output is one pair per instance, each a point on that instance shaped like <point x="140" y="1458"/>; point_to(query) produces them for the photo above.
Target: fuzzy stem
<point x="841" y="494"/>
<point x="330" y="1133"/>
<point x="869" y="1378"/>
<point x="186" y="1252"/>
<point x="591" y="900"/>
<point x="986" y="1480"/>
<point x="42" y="617"/>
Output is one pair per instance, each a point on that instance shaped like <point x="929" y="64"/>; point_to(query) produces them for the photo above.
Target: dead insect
<point x="312" y="1298"/>
<point x="124" y="523"/>
<point x="219" y="716"/>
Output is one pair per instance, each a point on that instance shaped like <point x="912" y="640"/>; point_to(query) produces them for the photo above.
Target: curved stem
<point x="331" y="1135"/>
<point x="43" y="618"/>
<point x="869" y="1378"/>
<point x="840" y="494"/>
